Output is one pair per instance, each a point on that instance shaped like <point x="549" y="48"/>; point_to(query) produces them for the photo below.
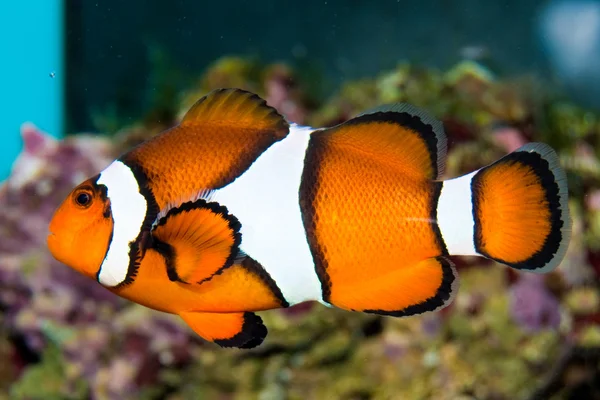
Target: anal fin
<point x="243" y="330"/>
<point x="428" y="285"/>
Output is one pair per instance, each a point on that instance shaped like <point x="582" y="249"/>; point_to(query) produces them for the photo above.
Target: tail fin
<point x="520" y="209"/>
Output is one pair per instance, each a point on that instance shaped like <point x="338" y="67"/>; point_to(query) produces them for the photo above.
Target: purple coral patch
<point x="532" y="306"/>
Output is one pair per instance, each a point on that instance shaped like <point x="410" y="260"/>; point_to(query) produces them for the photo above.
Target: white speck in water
<point x="52" y="74"/>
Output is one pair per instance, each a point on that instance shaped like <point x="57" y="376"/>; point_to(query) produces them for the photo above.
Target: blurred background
<point x="86" y="80"/>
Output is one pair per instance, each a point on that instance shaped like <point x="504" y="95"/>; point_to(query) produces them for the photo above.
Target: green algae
<point x="469" y="355"/>
<point x="48" y="380"/>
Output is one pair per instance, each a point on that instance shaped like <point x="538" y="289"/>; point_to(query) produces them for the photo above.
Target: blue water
<point x="32" y="72"/>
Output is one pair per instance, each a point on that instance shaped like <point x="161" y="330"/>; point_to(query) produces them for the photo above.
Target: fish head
<point x="81" y="228"/>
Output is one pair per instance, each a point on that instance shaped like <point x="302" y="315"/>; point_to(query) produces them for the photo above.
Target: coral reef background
<point x="506" y="336"/>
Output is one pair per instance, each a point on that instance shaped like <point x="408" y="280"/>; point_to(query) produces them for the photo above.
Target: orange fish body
<point x="235" y="211"/>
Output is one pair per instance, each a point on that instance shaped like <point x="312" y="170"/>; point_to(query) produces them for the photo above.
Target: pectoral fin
<point x="201" y="239"/>
<point x="243" y="330"/>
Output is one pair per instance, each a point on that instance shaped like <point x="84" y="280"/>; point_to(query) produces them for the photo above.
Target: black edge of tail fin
<point x="544" y="162"/>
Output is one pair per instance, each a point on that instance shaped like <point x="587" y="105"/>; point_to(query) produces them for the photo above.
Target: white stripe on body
<point x="128" y="207"/>
<point x="265" y="200"/>
<point x="455" y="215"/>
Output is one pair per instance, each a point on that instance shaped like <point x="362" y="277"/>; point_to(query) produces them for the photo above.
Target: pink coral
<point x="283" y="94"/>
<point x="510" y="139"/>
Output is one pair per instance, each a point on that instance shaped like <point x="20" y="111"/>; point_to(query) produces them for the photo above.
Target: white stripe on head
<point x="128" y="207"/>
<point x="265" y="199"/>
<point x="455" y="216"/>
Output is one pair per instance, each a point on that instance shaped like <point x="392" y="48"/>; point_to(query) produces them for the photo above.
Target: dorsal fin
<point x="236" y="108"/>
<point x="217" y="140"/>
<point x="398" y="134"/>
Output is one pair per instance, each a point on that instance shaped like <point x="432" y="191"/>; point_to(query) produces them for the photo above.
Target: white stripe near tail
<point x="455" y="216"/>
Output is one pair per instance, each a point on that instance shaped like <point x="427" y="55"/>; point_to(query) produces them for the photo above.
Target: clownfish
<point x="235" y="210"/>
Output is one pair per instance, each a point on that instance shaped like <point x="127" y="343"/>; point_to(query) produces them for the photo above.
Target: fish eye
<point x="83" y="198"/>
